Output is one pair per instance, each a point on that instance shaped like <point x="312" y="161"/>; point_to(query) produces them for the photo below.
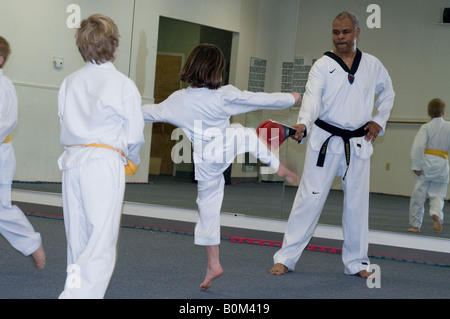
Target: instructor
<point x="337" y="113"/>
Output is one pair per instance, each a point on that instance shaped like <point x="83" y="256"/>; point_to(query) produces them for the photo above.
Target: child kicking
<point x="203" y="111"/>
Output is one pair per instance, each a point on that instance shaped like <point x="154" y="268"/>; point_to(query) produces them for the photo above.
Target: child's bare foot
<point x="39" y="257"/>
<point x="211" y="274"/>
<point x="278" y="269"/>
<point x="437" y="224"/>
<point x="290" y="177"/>
<point x="214" y="269"/>
<point x="414" y="230"/>
<point x="364" y="274"/>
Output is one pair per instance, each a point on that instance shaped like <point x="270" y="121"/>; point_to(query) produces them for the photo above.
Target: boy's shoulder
<point x="437" y="122"/>
<point x="5" y="81"/>
<point x="107" y="70"/>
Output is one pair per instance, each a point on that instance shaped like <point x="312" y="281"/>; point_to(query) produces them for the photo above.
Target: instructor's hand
<point x="373" y="130"/>
<point x="297" y="97"/>
<point x="298" y="136"/>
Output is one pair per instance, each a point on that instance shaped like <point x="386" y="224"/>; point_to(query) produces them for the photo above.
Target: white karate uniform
<point x="204" y="115"/>
<point x="433" y="182"/>
<point x="96" y="105"/>
<point x="330" y="97"/>
<point x="14" y="225"/>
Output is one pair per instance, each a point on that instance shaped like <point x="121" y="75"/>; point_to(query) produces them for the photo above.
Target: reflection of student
<point x="203" y="111"/>
<point x="429" y="157"/>
<point x="101" y="127"/>
<point x="14" y="226"/>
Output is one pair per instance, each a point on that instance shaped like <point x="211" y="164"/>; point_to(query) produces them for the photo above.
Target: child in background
<point x="429" y="157"/>
<point x="14" y="226"/>
<point x="203" y="111"/>
<point x="102" y="132"/>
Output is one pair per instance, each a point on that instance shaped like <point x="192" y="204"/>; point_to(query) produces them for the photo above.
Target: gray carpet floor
<point x="159" y="264"/>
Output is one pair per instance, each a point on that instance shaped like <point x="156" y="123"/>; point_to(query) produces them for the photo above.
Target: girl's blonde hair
<point x="97" y="38"/>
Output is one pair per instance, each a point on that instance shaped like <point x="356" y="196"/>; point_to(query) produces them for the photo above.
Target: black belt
<point x="346" y="135"/>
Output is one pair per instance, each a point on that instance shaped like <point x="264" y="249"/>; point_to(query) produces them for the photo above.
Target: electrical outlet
<point x="58" y="63"/>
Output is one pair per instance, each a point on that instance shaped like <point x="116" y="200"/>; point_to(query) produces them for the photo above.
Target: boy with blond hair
<point x="102" y="132"/>
<point x="429" y="155"/>
<point x="14" y="226"/>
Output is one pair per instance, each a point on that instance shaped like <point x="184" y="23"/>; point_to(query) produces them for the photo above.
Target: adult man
<point x="337" y="113"/>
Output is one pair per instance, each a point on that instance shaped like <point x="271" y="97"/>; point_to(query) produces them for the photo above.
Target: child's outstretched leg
<point x="248" y="141"/>
<point x="214" y="269"/>
<point x="288" y="175"/>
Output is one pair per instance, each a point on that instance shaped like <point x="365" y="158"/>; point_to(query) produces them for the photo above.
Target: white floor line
<point x="245" y="222"/>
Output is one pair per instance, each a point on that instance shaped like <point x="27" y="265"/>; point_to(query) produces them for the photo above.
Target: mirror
<point x="247" y="193"/>
<point x="309" y="33"/>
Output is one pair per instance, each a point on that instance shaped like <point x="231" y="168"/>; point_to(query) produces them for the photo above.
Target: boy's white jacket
<point x="98" y="104"/>
<point x="432" y="135"/>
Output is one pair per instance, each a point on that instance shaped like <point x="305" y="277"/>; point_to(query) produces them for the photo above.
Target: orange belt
<point x="434" y="152"/>
<point x="7" y="139"/>
<point x="130" y="168"/>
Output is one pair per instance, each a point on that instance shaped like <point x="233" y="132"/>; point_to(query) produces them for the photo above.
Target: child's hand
<point x="418" y="173"/>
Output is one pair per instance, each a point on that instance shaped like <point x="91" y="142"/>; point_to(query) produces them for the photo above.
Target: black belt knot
<point x="346" y="135"/>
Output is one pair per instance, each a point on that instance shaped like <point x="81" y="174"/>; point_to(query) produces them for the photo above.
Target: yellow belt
<point x="130" y="168"/>
<point x="434" y="152"/>
<point x="7" y="139"/>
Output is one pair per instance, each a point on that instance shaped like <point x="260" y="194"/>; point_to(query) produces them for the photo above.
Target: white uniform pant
<point x="211" y="186"/>
<point x="92" y="200"/>
<point x="209" y="202"/>
<point x="14" y="225"/>
<point x="311" y="195"/>
<point x="423" y="188"/>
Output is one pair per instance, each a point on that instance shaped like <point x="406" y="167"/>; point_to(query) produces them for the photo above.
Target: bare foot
<point x="211" y="274"/>
<point x="437" y="224"/>
<point x="278" y="269"/>
<point x="414" y="230"/>
<point x="39" y="257"/>
<point x="290" y="177"/>
<point x="364" y="274"/>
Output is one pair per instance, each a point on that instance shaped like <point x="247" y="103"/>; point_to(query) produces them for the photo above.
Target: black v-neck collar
<point x="355" y="64"/>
